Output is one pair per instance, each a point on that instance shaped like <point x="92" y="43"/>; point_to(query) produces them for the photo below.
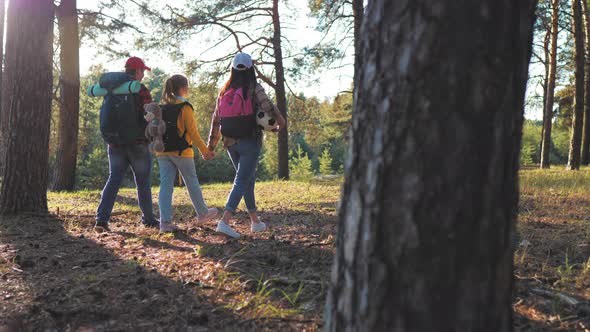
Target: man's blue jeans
<point x="139" y="158"/>
<point x="244" y="155"/>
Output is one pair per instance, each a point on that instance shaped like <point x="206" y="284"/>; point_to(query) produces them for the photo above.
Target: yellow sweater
<point x="186" y="121"/>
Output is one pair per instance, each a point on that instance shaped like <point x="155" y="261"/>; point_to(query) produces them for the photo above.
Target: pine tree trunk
<point x="2" y="18"/>
<point x="550" y="91"/>
<point x="358" y="11"/>
<point x="2" y="116"/>
<point x="281" y="95"/>
<point x="578" y="114"/>
<point x="27" y="101"/>
<point x="424" y="244"/>
<point x="547" y="56"/>
<point x="585" y="157"/>
<point x="64" y="175"/>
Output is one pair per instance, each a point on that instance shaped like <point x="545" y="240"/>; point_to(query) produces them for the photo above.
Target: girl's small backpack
<point x="237" y="114"/>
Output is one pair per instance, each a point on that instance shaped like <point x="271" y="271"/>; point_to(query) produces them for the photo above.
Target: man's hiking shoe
<point x="102" y="227"/>
<point x="168" y="227"/>
<point x="224" y="228"/>
<point x="256" y="227"/>
<point x="151" y="225"/>
<point x="211" y="214"/>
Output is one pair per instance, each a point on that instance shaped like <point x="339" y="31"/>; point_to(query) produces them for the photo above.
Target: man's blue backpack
<point x="119" y="123"/>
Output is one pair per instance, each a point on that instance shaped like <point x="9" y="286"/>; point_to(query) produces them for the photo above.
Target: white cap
<point x="242" y="61"/>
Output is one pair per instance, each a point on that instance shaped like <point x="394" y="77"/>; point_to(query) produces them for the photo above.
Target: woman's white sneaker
<point x="224" y="228"/>
<point x="256" y="227"/>
<point x="212" y="213"/>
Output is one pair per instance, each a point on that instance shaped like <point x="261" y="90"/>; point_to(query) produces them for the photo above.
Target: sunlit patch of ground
<point x="552" y="260"/>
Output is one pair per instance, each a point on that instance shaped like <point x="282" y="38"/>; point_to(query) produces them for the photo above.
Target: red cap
<point x="136" y="63"/>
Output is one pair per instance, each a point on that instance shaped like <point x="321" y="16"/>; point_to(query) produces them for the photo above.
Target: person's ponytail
<point x="172" y="87"/>
<point x="168" y="94"/>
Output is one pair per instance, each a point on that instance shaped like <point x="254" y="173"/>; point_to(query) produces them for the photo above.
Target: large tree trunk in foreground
<point x="2" y="114"/>
<point x="573" y="162"/>
<point x="424" y="244"/>
<point x="64" y="176"/>
<point x="281" y="94"/>
<point x="358" y="11"/>
<point x="27" y="100"/>
<point x="550" y="90"/>
<point x="585" y="158"/>
<point x="2" y="18"/>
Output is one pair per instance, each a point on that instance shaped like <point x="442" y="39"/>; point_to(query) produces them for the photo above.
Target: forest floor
<point x="58" y="274"/>
<point x="552" y="259"/>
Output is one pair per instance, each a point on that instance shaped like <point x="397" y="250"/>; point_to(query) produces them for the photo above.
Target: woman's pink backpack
<point x="237" y="114"/>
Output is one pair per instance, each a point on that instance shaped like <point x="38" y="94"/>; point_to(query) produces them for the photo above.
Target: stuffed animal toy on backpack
<point x="156" y="126"/>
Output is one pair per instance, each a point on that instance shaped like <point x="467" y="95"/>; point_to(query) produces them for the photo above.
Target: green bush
<point x="530" y="152"/>
<point x="93" y="172"/>
<point x="219" y="169"/>
<point x="300" y="166"/>
<point x="270" y="156"/>
<point x="326" y="163"/>
<point x="527" y="154"/>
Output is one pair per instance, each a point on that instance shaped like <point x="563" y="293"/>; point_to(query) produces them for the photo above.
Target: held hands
<point x="209" y="155"/>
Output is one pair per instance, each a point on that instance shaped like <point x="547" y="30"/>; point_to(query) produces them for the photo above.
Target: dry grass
<point x="60" y="274"/>
<point x="552" y="260"/>
<point x="135" y="278"/>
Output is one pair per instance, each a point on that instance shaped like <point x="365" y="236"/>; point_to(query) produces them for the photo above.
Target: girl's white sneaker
<point x="224" y="228"/>
<point x="256" y="227"/>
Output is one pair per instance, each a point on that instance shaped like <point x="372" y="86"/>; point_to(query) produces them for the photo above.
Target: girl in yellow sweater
<point x="181" y="134"/>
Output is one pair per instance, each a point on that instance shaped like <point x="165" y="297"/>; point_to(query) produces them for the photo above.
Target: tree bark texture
<point x="27" y="102"/>
<point x="546" y="54"/>
<point x="550" y="90"/>
<point x="424" y="243"/>
<point x="358" y="11"/>
<point x="64" y="176"/>
<point x="585" y="157"/>
<point x="281" y="94"/>
<point x="573" y="162"/>
<point x="2" y="114"/>
<point x="2" y="18"/>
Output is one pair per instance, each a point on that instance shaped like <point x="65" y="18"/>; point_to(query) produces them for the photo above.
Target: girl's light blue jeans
<point x="244" y="155"/>
<point x="168" y="168"/>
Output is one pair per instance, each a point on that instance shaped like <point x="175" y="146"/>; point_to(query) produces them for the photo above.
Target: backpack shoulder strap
<point x="180" y="107"/>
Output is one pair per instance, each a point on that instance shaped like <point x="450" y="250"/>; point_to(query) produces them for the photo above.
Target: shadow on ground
<point x="66" y="282"/>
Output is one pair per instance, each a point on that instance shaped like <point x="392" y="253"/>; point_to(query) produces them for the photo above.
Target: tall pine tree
<point x="550" y="86"/>
<point x="27" y="102"/>
<point x="64" y="175"/>
<point x="573" y="162"/>
<point x="424" y="245"/>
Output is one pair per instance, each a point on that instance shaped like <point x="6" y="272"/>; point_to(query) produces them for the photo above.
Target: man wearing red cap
<point x="136" y="155"/>
<point x="136" y="68"/>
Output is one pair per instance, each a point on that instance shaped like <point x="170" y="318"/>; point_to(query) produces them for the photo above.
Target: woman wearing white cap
<point x="234" y="120"/>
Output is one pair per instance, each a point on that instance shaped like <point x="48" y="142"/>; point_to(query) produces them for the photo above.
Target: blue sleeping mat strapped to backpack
<point x="119" y="119"/>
